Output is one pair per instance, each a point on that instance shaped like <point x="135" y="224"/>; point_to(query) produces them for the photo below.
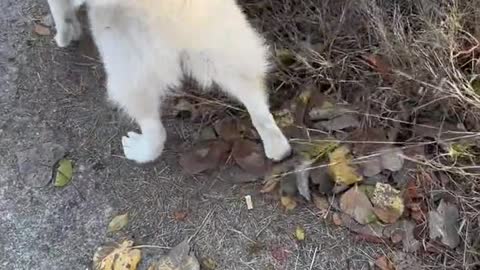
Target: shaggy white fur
<point x="148" y="45"/>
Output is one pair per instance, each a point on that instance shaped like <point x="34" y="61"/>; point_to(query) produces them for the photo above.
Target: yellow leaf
<point x="341" y="169"/>
<point x="300" y="233"/>
<point x="64" y="173"/>
<point x="117" y="257"/>
<point x="288" y="202"/>
<point x="118" y="223"/>
<point x="209" y="264"/>
<point x="315" y="150"/>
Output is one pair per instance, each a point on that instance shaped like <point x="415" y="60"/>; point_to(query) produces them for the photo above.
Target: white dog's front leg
<point x="66" y="21"/>
<point x="147" y="146"/>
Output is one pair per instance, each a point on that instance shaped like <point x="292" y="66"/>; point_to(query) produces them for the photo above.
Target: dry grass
<point x="431" y="53"/>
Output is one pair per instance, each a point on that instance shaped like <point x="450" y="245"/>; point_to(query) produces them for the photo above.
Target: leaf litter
<point x="369" y="172"/>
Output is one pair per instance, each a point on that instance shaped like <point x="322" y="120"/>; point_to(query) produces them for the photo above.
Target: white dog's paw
<point x="70" y="31"/>
<point x="139" y="148"/>
<point x="277" y="148"/>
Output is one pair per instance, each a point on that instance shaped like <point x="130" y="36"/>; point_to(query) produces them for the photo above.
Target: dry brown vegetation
<point x="405" y="66"/>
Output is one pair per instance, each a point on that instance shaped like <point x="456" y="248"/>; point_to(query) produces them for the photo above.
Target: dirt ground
<point x="53" y="101"/>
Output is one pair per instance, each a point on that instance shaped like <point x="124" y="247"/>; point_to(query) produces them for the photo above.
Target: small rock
<point x="35" y="165"/>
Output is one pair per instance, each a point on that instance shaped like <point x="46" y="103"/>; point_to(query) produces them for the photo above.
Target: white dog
<point x="148" y="45"/>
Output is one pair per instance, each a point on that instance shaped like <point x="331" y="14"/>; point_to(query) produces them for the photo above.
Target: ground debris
<point x="179" y="258"/>
<point x="117" y="257"/>
<point x="443" y="224"/>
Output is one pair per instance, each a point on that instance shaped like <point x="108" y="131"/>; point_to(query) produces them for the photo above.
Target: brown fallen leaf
<point x="250" y="157"/>
<point x="228" y="129"/>
<point x="320" y="202"/>
<point x="204" y="156"/>
<point x="337" y="220"/>
<point x="340" y="167"/>
<point x="180" y="215"/>
<point x="117" y="257"/>
<point x="355" y="203"/>
<point x="380" y="65"/>
<point x="41" y="30"/>
<point x="280" y="254"/>
<point x="383" y="263"/>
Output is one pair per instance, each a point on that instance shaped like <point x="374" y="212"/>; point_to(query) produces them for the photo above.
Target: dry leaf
<point x="315" y="150"/>
<point x="285" y="57"/>
<point x="280" y="254"/>
<point x="384" y="263"/>
<point x="340" y="167"/>
<point x="228" y="129"/>
<point x="250" y="157"/>
<point x="300" y="233"/>
<point x="321" y="202"/>
<point x="356" y="204"/>
<point x="302" y="174"/>
<point x="371" y="167"/>
<point x="179" y="258"/>
<point x="288" y="202"/>
<point x="204" y="156"/>
<point x="117" y="257"/>
<point x="64" y="173"/>
<point x="41" y="30"/>
<point x="209" y="264"/>
<point x="337" y="220"/>
<point x="392" y="159"/>
<point x="180" y="215"/>
<point x="389" y="205"/>
<point x="380" y="65"/>
<point x="443" y="224"/>
<point x="270" y="185"/>
<point x="339" y="123"/>
<point x="284" y="118"/>
<point x="118" y="222"/>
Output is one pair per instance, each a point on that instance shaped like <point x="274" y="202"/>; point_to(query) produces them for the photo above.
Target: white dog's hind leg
<point x="66" y="21"/>
<point x="251" y="92"/>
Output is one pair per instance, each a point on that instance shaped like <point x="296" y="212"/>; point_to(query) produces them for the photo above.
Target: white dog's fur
<point x="148" y="45"/>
